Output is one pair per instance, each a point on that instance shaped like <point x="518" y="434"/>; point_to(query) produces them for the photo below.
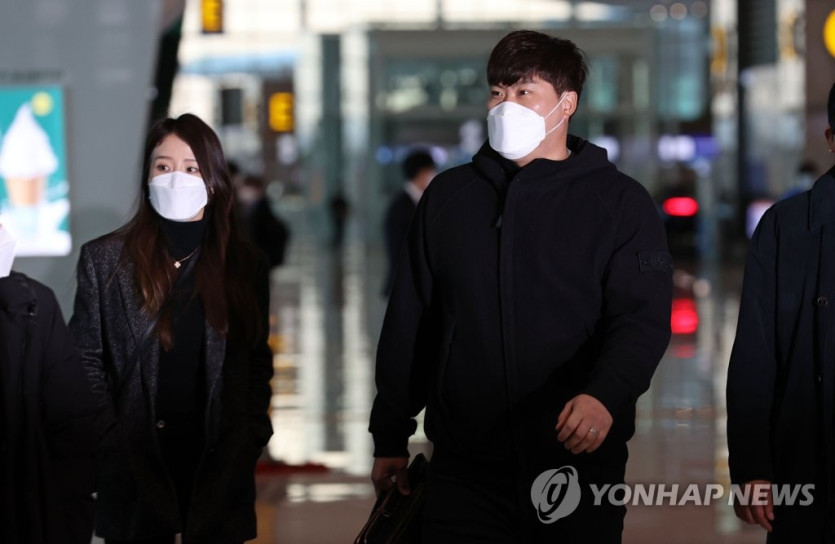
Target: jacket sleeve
<point x="637" y="299"/>
<point x="69" y="414"/>
<point x="86" y="327"/>
<point x="752" y="369"/>
<point x="396" y="229"/>
<point x="407" y="341"/>
<point x="261" y="363"/>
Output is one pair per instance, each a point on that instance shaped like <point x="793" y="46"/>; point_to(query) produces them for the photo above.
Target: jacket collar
<point x="13" y="297"/>
<point x="822" y="201"/>
<point x="585" y="158"/>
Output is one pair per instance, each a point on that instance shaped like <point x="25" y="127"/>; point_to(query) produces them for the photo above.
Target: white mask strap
<point x="552" y="111"/>
<point x="8" y="245"/>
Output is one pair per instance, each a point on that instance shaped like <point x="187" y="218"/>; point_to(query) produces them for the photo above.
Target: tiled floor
<point x="327" y="316"/>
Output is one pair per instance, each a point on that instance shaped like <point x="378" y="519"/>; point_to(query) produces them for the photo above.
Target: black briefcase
<point x="397" y="518"/>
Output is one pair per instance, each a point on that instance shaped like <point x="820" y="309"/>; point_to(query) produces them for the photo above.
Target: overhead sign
<point x="280" y="109"/>
<point x="829" y="33"/>
<point x="211" y="16"/>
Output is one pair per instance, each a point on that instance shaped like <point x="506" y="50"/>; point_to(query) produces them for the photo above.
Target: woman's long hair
<point x="225" y="270"/>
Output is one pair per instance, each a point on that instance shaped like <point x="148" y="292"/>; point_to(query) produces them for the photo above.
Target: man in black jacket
<point x="781" y="377"/>
<point x="265" y="229"/>
<point x="530" y="310"/>
<point x="418" y="169"/>
<point x="47" y="436"/>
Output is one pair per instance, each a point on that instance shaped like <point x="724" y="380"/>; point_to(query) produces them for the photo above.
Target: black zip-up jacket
<point x="47" y="422"/>
<point x="518" y="290"/>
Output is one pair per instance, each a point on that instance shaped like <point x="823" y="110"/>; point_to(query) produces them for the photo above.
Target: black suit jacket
<point x="136" y="495"/>
<point x="781" y="375"/>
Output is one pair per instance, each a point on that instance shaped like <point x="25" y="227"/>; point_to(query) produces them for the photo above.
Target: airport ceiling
<point x="656" y="9"/>
<point x="636" y="4"/>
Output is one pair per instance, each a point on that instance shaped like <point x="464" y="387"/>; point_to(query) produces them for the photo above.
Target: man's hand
<point x="387" y="467"/>
<point x="583" y="424"/>
<point x="760" y="507"/>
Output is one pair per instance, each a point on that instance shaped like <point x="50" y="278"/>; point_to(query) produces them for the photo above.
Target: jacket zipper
<point x="505" y="256"/>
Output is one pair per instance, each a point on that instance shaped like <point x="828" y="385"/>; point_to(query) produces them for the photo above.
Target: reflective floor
<point x="314" y="486"/>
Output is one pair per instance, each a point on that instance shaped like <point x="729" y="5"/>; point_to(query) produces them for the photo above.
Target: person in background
<point x="265" y="229"/>
<point x="530" y="309"/>
<point x="340" y="208"/>
<point x="47" y="417"/>
<point x="235" y="175"/>
<point x="806" y="175"/>
<point x="418" y="169"/>
<point x="781" y="376"/>
<point x="170" y="318"/>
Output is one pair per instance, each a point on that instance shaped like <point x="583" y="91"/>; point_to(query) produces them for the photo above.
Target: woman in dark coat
<point x="47" y="417"/>
<point x="170" y="318"/>
<point x="781" y="379"/>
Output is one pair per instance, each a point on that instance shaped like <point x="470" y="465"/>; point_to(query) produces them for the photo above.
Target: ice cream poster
<point x="34" y="190"/>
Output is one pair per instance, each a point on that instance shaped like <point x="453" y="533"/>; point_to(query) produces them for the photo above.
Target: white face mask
<point x="8" y="244"/>
<point x="514" y="131"/>
<point x="178" y="196"/>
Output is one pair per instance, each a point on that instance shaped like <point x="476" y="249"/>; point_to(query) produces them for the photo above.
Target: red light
<point x="681" y="206"/>
<point x="684" y="318"/>
<point x="685" y="351"/>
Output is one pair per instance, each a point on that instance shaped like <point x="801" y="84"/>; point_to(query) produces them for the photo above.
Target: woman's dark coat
<point x="782" y="369"/>
<point x="47" y="422"/>
<point x="136" y="497"/>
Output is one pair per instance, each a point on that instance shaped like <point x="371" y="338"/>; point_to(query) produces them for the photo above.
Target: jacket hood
<point x="586" y="159"/>
<point x="14" y="298"/>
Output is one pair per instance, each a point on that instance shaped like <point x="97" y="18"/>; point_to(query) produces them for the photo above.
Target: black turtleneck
<point x="181" y="387"/>
<point x="181" y="384"/>
<point x="183" y="237"/>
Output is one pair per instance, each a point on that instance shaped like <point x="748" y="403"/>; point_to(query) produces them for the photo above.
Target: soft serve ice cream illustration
<point x="26" y="159"/>
<point x="26" y="162"/>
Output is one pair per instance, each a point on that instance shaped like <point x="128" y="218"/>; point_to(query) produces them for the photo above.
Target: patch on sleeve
<point x="655" y="261"/>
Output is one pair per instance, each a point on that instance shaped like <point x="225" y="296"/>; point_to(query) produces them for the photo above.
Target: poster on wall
<point x="34" y="190"/>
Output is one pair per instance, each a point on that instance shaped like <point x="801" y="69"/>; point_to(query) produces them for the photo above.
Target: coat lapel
<point x="215" y="354"/>
<point x="822" y="217"/>
<point x="139" y="320"/>
<point x="215" y="349"/>
<point x="825" y="303"/>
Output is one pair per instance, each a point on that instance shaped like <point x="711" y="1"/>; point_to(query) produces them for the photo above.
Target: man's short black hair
<point x="523" y="54"/>
<point x="830" y="107"/>
<point x="417" y="161"/>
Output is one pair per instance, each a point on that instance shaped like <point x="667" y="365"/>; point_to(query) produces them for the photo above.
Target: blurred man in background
<point x="418" y="169"/>
<point x="269" y="232"/>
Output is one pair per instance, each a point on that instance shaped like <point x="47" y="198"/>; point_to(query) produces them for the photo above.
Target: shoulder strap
<point x="148" y="333"/>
